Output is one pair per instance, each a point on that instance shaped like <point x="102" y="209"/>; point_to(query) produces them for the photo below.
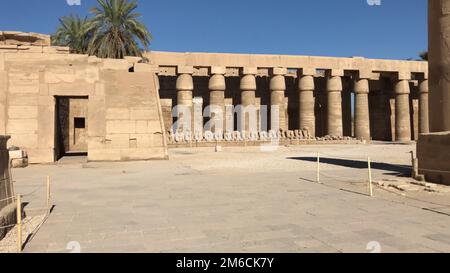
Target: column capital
<point x="402" y="87"/>
<point x="278" y="83"/>
<point x="248" y="82"/>
<point x="217" y="82"/>
<point x="362" y="86"/>
<point x="185" y="69"/>
<point x="423" y="86"/>
<point x="306" y="83"/>
<point x="185" y="82"/>
<point x="220" y="70"/>
<point x="334" y="84"/>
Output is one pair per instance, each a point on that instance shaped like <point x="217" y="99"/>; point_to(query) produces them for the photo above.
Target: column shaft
<point x="424" y="121"/>
<point x="307" y="119"/>
<point x="248" y="119"/>
<point x="402" y="111"/>
<point x="362" y="116"/>
<point x="217" y="102"/>
<point x="439" y="64"/>
<point x="185" y="87"/>
<point x="278" y="102"/>
<point x="334" y="89"/>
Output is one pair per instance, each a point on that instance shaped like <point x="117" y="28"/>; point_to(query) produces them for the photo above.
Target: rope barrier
<point x="6" y="199"/>
<point x="370" y="179"/>
<point x="342" y="177"/>
<point x="32" y="192"/>
<point x="5" y="227"/>
<point x="347" y="158"/>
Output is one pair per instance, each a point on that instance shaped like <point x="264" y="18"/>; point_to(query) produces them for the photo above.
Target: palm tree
<point x="118" y="30"/>
<point x="424" y="55"/>
<point x="74" y="32"/>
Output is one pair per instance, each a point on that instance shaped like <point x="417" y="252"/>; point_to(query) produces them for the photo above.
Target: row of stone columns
<point x="306" y="87"/>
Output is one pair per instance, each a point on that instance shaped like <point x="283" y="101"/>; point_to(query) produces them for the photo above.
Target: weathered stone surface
<point x="7" y="205"/>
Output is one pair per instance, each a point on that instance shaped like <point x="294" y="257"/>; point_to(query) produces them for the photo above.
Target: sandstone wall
<point x="433" y="152"/>
<point x="31" y="82"/>
<point x="132" y="119"/>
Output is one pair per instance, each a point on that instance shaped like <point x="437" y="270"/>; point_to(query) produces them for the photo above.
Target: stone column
<point x="247" y="116"/>
<point x="217" y="89"/>
<point x="439" y="64"/>
<point x="334" y="90"/>
<point x="185" y="88"/>
<point x="277" y="99"/>
<point x="402" y="111"/>
<point x="424" y="121"/>
<point x="362" y="117"/>
<point x="307" y="118"/>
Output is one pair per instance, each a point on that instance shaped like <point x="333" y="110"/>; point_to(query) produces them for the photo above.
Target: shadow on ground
<point x="398" y="170"/>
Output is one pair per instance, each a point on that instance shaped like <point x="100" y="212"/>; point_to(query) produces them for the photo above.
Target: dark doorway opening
<point x="71" y="126"/>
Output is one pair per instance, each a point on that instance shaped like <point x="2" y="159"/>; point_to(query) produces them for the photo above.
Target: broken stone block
<point x="18" y="157"/>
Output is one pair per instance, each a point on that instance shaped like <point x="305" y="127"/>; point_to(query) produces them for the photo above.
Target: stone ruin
<point x="7" y="203"/>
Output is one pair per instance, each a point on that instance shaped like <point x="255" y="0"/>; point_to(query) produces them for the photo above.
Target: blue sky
<point x="397" y="29"/>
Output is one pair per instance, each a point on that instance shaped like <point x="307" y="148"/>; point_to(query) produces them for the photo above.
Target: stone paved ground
<point x="240" y="200"/>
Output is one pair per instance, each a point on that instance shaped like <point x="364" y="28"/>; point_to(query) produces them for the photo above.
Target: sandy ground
<point x="240" y="200"/>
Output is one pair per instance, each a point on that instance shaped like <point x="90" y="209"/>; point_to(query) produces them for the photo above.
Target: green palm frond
<point x="118" y="30"/>
<point x="74" y="32"/>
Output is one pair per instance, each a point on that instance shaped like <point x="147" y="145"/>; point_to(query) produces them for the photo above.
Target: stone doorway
<point x="71" y="128"/>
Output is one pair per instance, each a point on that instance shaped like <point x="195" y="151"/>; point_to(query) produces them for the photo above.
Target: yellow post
<point x="370" y="177"/>
<point x="48" y="195"/>
<point x="19" y="223"/>
<point x="318" y="167"/>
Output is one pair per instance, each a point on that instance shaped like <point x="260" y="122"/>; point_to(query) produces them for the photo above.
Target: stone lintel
<point x="250" y="70"/>
<point x="185" y="69"/>
<point x="404" y="75"/>
<point x="278" y="71"/>
<point x="421" y="76"/>
<point x="335" y="73"/>
<point x="221" y="70"/>
<point x="364" y="73"/>
<point x="307" y="71"/>
<point x="141" y="67"/>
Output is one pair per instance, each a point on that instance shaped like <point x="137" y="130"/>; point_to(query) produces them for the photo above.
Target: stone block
<point x="279" y="71"/>
<point x="404" y="75"/>
<point x="141" y="67"/>
<point x="185" y="69"/>
<point x="250" y="71"/>
<point x="141" y="114"/>
<point x="142" y="127"/>
<point x="117" y="114"/>
<point x="433" y="152"/>
<point x="19" y="126"/>
<point x="22" y="112"/>
<point x="120" y="127"/>
<point x="307" y="71"/>
<point x="115" y="64"/>
<point x="336" y="72"/>
<point x="218" y="70"/>
<point x="117" y="141"/>
<point x="24" y="141"/>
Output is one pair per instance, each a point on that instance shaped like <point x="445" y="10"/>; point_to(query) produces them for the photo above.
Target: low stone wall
<point x="7" y="205"/>
<point x="433" y="151"/>
<point x="238" y="139"/>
